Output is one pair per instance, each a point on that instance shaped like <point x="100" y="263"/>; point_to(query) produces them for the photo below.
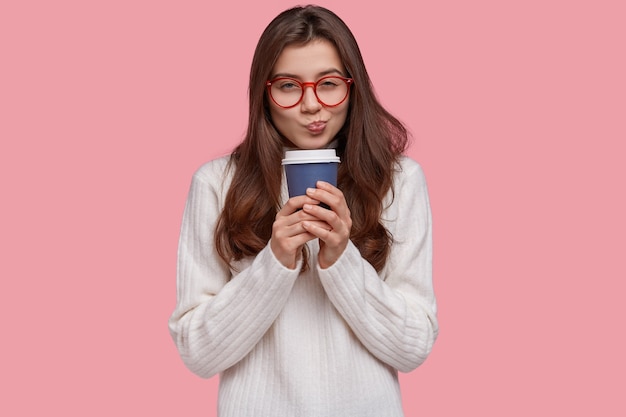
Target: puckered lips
<point x="316" y="127"/>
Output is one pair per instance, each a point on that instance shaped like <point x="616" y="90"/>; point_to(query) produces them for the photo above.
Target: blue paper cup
<point x="304" y="168"/>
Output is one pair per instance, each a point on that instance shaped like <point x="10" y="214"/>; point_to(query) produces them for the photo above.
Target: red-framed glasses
<point x="330" y="91"/>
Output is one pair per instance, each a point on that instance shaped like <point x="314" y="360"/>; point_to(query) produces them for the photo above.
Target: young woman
<point x="301" y="310"/>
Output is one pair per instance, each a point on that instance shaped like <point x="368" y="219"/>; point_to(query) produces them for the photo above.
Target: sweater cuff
<point x="349" y="262"/>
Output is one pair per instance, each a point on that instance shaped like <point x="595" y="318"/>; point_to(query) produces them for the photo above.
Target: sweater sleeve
<point x="393" y="314"/>
<point x="219" y="317"/>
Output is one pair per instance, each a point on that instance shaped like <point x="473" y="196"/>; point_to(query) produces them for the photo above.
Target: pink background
<point x="517" y="109"/>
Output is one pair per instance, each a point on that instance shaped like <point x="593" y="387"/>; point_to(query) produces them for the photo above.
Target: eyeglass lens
<point x="330" y="91"/>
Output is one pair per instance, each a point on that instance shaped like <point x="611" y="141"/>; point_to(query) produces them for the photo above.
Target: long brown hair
<point x="369" y="145"/>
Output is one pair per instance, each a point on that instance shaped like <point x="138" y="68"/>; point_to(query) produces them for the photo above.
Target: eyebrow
<point x="319" y="74"/>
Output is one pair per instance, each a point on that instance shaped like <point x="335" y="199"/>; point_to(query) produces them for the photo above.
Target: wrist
<point x="286" y="259"/>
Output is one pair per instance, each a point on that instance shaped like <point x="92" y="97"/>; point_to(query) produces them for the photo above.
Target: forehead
<point x="308" y="61"/>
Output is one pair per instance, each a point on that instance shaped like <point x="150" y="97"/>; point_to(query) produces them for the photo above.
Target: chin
<point x="312" y="143"/>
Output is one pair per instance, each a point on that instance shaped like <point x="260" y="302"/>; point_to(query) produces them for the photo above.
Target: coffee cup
<point x="303" y="168"/>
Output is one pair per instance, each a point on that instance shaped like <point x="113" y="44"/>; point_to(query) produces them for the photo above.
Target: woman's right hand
<point x="288" y="234"/>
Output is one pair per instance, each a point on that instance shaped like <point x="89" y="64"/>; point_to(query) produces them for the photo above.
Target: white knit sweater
<point x="323" y="343"/>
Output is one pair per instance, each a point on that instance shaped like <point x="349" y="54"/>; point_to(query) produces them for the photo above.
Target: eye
<point x="329" y="83"/>
<point x="287" y="85"/>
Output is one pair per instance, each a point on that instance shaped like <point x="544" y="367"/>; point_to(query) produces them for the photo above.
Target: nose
<point x="310" y="103"/>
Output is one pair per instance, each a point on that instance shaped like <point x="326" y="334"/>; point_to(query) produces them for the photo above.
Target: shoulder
<point x="409" y="184"/>
<point x="213" y="177"/>
<point x="214" y="171"/>
<point x="407" y="169"/>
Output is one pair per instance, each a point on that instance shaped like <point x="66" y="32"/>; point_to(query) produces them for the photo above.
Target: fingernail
<point x="310" y="190"/>
<point x="307" y="207"/>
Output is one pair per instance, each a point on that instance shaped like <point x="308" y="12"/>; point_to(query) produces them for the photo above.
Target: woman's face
<point x="309" y="124"/>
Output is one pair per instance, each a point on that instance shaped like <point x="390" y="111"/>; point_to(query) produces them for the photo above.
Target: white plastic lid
<point x="310" y="156"/>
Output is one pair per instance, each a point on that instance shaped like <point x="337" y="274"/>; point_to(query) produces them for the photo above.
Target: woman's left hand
<point x="334" y="239"/>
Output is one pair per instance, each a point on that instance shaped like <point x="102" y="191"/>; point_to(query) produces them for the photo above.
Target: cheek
<point x="342" y="113"/>
<point x="279" y="111"/>
<point x="282" y="119"/>
<point x="273" y="112"/>
<point x="276" y="114"/>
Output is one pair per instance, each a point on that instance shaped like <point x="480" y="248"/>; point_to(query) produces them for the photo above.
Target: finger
<point x="317" y="224"/>
<point x="290" y="236"/>
<point x="327" y="216"/>
<point x="299" y="228"/>
<point x="294" y="219"/>
<point x="339" y="213"/>
<point x="321" y="230"/>
<point x="323" y="185"/>
<point x="294" y="204"/>
<point x="288" y="226"/>
<point x="331" y="196"/>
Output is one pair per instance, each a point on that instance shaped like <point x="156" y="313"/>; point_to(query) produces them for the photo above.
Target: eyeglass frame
<point x="348" y="81"/>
